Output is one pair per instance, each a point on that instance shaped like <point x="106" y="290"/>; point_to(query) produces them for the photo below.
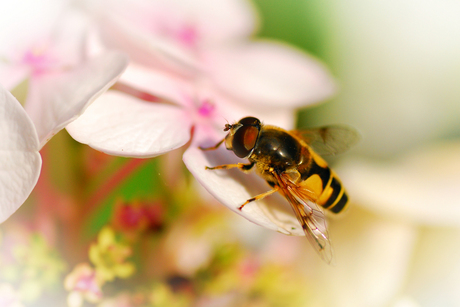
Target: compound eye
<point x="249" y="121"/>
<point x="244" y="140"/>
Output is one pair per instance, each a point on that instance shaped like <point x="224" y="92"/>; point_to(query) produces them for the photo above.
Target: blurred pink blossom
<point x="47" y="48"/>
<point x="47" y="52"/>
<point x="137" y="217"/>
<point x="83" y="284"/>
<point x="9" y="296"/>
<point x="197" y="59"/>
<point x="212" y="40"/>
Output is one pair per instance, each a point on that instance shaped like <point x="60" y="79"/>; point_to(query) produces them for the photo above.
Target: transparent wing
<point x="329" y="140"/>
<point x="309" y="215"/>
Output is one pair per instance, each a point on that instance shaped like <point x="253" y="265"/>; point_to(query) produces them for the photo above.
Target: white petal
<point x="158" y="83"/>
<point x="12" y="75"/>
<point x="232" y="188"/>
<point x="373" y="256"/>
<point x="122" y="125"/>
<point x="270" y="74"/>
<point x="25" y="21"/>
<point x="399" y="82"/>
<point x="54" y="100"/>
<point x="145" y="48"/>
<point x="217" y="21"/>
<point x="283" y="118"/>
<point x="435" y="270"/>
<point x="421" y="187"/>
<point x="20" y="161"/>
<point x="233" y="110"/>
<point x="69" y="37"/>
<point x="150" y="31"/>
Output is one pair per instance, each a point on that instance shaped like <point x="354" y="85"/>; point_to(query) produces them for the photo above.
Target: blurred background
<point x="161" y="240"/>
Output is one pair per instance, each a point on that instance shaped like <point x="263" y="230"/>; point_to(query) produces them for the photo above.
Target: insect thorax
<point x="276" y="149"/>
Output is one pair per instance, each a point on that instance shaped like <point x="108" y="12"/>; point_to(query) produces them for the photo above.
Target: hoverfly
<point x="291" y="164"/>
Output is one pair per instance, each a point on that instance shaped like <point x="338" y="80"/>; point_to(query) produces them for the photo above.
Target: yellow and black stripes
<point x="338" y="198"/>
<point x="319" y="178"/>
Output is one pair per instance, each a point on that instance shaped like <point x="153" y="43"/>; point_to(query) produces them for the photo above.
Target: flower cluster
<point x="137" y="80"/>
<point x="108" y="256"/>
<point x="196" y="260"/>
<point x="103" y="225"/>
<point x="190" y="67"/>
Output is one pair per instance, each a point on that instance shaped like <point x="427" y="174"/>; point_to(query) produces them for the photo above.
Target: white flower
<point x="196" y="61"/>
<point x="211" y="40"/>
<point x="47" y="48"/>
<point x="399" y="66"/>
<point x="20" y="161"/>
<point x="421" y="186"/>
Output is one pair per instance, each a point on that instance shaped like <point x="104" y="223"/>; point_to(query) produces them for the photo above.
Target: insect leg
<point x="241" y="166"/>
<point x="259" y="197"/>
<point x="212" y="147"/>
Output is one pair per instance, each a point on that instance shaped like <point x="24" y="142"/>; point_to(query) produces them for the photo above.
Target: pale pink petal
<point x="211" y="109"/>
<point x="144" y="48"/>
<point x="170" y="34"/>
<point x="23" y="21"/>
<point x="195" y="97"/>
<point x="158" y="83"/>
<point x="216" y="21"/>
<point x="23" y="24"/>
<point x="232" y="188"/>
<point x="54" y="100"/>
<point x="20" y="161"/>
<point x="9" y="297"/>
<point x="283" y="118"/>
<point x="232" y="110"/>
<point x="122" y="125"/>
<point x="372" y="254"/>
<point x="270" y="74"/>
<point x="422" y="187"/>
<point x="435" y="270"/>
<point x="69" y="38"/>
<point x="12" y="75"/>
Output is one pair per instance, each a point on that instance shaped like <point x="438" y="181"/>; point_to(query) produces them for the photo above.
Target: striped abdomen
<point x="324" y="183"/>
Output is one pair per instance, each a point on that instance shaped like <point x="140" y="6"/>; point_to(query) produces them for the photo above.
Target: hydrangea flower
<point x="197" y="60"/>
<point x="417" y="191"/>
<point x="212" y="40"/>
<point x="47" y="47"/>
<point x="46" y="51"/>
<point x="420" y="186"/>
<point x="83" y="284"/>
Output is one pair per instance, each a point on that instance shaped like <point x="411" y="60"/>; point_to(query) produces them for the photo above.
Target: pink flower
<point x="83" y="284"/>
<point x="197" y="60"/>
<point x="46" y="51"/>
<point x="211" y="40"/>
<point x="124" y="125"/>
<point x="47" y="47"/>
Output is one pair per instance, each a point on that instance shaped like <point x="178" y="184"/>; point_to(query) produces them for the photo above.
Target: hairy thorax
<point x="276" y="150"/>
